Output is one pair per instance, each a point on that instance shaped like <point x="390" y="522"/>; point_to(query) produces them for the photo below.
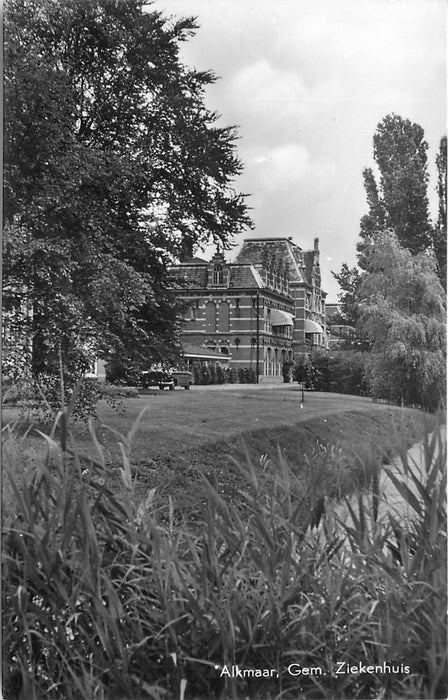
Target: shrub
<point x="197" y="374"/>
<point x="39" y="401"/>
<point x="115" y="390"/>
<point x="304" y="371"/>
<point x="247" y="375"/>
<point x="205" y="375"/>
<point x="347" y="373"/>
<point x="220" y="375"/>
<point x="213" y="377"/>
<point x="321" y="370"/>
<point x="287" y="371"/>
<point x="17" y="392"/>
<point x="120" y="370"/>
<point x="251" y="376"/>
<point x="343" y="372"/>
<point x="231" y="378"/>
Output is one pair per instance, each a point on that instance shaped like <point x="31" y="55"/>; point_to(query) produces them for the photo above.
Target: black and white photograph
<point x="224" y="350"/>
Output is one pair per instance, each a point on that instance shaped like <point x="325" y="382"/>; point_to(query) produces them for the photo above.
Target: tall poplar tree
<point x="399" y="201"/>
<point x="440" y="241"/>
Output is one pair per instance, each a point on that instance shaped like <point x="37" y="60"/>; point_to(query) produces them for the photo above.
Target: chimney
<point x="316" y="244"/>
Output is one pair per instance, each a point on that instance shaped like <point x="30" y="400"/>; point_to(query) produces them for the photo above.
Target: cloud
<point x="281" y="167"/>
<point x="279" y="97"/>
<point x="307" y="82"/>
<point x="260" y="83"/>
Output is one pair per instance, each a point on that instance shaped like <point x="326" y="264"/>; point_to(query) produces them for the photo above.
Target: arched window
<point x="269" y="362"/>
<point x="218" y="274"/>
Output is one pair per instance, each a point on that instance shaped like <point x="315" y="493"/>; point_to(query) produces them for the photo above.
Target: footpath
<point x="391" y="499"/>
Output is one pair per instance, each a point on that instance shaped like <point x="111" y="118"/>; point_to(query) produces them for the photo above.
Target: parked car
<point x="157" y="378"/>
<point x="183" y="378"/>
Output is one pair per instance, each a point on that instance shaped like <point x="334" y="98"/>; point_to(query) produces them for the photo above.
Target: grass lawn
<point x="335" y="441"/>
<point x="175" y="423"/>
<point x="334" y="438"/>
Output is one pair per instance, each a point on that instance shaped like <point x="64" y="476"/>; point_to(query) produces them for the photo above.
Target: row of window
<point x="195" y="306"/>
<point x="224" y="345"/>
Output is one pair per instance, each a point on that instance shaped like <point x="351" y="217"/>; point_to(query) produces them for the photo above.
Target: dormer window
<point x="218" y="274"/>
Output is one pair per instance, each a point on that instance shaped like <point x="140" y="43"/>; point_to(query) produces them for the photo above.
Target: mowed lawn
<point x="184" y="435"/>
<point x="178" y="421"/>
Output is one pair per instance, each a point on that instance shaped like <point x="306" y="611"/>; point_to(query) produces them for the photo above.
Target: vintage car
<point x="157" y="378"/>
<point x="183" y="378"/>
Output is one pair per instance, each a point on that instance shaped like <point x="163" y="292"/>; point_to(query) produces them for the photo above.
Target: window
<point x="218" y="274"/>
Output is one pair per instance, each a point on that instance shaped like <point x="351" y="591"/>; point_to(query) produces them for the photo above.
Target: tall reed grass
<point x="105" y="598"/>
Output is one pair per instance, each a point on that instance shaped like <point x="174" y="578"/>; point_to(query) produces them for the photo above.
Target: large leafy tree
<point x="349" y="279"/>
<point x="113" y="167"/>
<point x="401" y="307"/>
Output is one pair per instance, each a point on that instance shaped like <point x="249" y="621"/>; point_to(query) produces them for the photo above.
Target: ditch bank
<point x="339" y="454"/>
<point x="403" y="489"/>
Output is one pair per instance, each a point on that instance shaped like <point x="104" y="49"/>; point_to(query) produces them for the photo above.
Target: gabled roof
<point x="195" y="276"/>
<point x="191" y="275"/>
<point x="256" y="257"/>
<point x="279" y="251"/>
<point x="245" y="276"/>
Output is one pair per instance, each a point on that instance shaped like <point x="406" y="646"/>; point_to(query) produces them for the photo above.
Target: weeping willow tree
<point x="401" y="307"/>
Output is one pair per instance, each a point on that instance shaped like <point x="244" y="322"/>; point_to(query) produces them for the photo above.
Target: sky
<point x="306" y="82"/>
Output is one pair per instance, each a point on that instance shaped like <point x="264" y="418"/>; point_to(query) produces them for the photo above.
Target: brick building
<point x="260" y="311"/>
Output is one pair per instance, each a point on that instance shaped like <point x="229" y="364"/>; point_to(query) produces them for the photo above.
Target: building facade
<point x="258" y="312"/>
